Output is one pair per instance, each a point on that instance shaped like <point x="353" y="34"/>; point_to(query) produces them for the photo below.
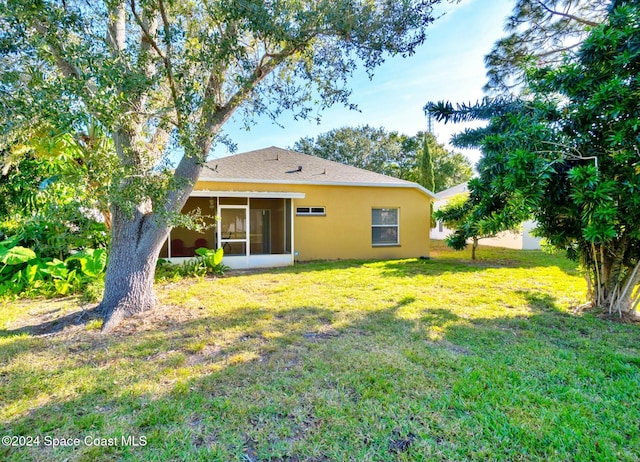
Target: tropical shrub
<point x="208" y="261"/>
<point x="23" y="271"/>
<point x="211" y="260"/>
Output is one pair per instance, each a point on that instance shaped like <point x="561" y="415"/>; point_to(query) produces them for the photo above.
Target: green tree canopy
<point x="365" y="147"/>
<point x="389" y="153"/>
<point x="568" y="157"/>
<point x="457" y="215"/>
<point x="540" y="32"/>
<point x="51" y="192"/>
<point x="164" y="76"/>
<point x="426" y="175"/>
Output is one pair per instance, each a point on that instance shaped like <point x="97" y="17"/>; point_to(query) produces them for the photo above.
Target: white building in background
<point x="440" y="232"/>
<point x="522" y="239"/>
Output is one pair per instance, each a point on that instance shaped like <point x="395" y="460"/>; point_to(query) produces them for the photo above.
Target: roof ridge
<point x="312" y="157"/>
<point x="260" y="165"/>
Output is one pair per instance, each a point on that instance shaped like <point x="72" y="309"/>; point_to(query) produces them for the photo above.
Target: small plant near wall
<point x="207" y="261"/>
<point x="211" y="260"/>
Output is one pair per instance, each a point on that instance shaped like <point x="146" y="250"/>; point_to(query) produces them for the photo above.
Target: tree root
<point x="581" y="308"/>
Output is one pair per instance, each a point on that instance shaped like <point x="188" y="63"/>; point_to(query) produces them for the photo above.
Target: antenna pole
<point x="429" y="122"/>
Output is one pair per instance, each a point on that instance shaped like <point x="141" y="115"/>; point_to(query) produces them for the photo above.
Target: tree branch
<point x="189" y="167"/>
<point x="631" y="283"/>
<point x="67" y="69"/>
<point x="265" y="66"/>
<point x="145" y="30"/>
<point x="150" y="26"/>
<point x="166" y="58"/>
<point x="568" y="15"/>
<point x="557" y="50"/>
<point x="577" y="156"/>
<point x="168" y="64"/>
<point x="116" y="31"/>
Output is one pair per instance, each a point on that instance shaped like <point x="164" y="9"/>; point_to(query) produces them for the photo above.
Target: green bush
<point x="208" y="261"/>
<point x="211" y="260"/>
<point x="55" y="231"/>
<point x="23" y="271"/>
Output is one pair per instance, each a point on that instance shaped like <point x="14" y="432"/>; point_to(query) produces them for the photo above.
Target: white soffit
<point x="249" y="194"/>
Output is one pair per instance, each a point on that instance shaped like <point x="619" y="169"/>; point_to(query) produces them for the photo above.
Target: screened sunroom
<point x="255" y="229"/>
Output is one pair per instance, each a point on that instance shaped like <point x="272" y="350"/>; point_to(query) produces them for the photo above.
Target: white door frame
<point x="221" y="242"/>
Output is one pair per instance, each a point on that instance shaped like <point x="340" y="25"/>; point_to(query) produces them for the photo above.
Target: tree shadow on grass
<point x="516" y="259"/>
<point x="438" y="316"/>
<point x="404" y="267"/>
<point x="55" y="324"/>
<point x="539" y="301"/>
<point x="296" y="384"/>
<point x="113" y="375"/>
<point x="438" y="266"/>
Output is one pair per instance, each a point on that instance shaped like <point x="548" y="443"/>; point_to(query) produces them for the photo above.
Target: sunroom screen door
<point x="233" y="232"/>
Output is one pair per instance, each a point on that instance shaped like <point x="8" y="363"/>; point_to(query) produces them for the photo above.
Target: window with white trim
<point x="385" y="227"/>
<point x="317" y="211"/>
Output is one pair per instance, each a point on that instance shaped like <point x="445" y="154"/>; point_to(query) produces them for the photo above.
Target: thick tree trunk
<point x="135" y="245"/>
<point x="611" y="282"/>
<point x="136" y="238"/>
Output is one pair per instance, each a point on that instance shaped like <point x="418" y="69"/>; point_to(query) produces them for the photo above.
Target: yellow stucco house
<point x="276" y="206"/>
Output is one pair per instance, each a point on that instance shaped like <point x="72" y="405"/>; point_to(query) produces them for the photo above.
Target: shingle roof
<point x="277" y="165"/>
<point x="454" y="190"/>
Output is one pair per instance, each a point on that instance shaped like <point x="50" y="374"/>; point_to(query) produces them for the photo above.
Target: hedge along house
<point x="275" y="206"/>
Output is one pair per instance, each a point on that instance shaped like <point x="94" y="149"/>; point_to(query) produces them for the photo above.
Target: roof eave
<point x="250" y="194"/>
<point x="408" y="184"/>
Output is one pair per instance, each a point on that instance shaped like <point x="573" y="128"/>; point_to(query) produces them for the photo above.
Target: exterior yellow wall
<point x="345" y="231"/>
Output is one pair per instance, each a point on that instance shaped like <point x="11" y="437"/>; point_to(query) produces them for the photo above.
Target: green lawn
<point x="441" y="359"/>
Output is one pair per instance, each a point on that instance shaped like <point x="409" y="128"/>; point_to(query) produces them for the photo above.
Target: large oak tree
<point x="165" y="76"/>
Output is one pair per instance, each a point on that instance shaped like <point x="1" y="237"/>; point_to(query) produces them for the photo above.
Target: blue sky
<point x="448" y="66"/>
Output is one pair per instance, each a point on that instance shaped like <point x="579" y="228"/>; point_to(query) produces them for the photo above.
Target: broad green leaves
<point x="53" y="194"/>
<point x="92" y="261"/>
<point x="211" y="258"/>
<point x="16" y="255"/>
<point x="22" y="270"/>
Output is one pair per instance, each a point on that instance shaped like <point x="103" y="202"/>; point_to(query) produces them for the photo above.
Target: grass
<point x="441" y="359"/>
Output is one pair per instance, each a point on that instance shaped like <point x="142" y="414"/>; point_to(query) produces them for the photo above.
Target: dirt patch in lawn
<point x="51" y="317"/>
